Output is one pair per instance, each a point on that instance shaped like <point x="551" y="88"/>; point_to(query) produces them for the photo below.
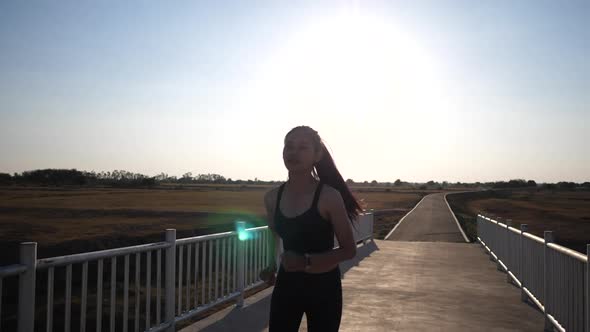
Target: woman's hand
<point x="292" y="261"/>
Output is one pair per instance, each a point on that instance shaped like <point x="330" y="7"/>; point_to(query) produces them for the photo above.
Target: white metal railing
<point x="554" y="278"/>
<point x="199" y="273"/>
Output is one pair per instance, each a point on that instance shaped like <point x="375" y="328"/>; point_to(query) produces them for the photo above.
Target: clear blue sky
<point x="426" y="90"/>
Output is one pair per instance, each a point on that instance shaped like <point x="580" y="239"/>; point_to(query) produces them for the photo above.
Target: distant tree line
<point x="515" y="183"/>
<point x="116" y="178"/>
<point x="73" y="177"/>
<point x="520" y="183"/>
<point x="122" y="178"/>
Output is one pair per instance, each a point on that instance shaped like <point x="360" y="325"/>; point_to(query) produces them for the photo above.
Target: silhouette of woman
<point x="306" y="212"/>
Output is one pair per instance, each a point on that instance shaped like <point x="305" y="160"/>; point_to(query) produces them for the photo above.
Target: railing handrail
<point x="206" y="237"/>
<point x="535" y="272"/>
<point x="514" y="230"/>
<point x="533" y="237"/>
<point x="11" y="270"/>
<point x="570" y="252"/>
<point x="214" y="236"/>
<point x="90" y="256"/>
<point x="44" y="263"/>
<point x="29" y="266"/>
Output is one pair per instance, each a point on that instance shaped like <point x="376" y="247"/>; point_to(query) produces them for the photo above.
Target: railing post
<point x="477" y="233"/>
<point x="587" y="313"/>
<point x="240" y="262"/>
<point x="372" y="226"/>
<point x="492" y="238"/>
<point x="548" y="235"/>
<point x="170" y="277"/>
<point x="523" y="296"/>
<point x="501" y="247"/>
<point x="509" y="250"/>
<point x="482" y="231"/>
<point x="26" y="287"/>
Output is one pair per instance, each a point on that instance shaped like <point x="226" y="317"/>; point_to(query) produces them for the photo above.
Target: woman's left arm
<point x="326" y="261"/>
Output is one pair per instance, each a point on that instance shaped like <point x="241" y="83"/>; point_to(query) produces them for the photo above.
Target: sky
<point x="414" y="90"/>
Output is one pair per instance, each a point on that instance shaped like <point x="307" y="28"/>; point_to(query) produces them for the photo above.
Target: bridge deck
<point x="431" y="220"/>
<point x="409" y="286"/>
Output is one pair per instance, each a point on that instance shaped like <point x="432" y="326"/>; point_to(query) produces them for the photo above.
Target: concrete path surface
<point x="431" y="220"/>
<point x="409" y="286"/>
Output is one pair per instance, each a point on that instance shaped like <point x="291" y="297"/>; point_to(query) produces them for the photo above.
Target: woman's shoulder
<point x="326" y="202"/>
<point x="329" y="192"/>
<point x="273" y="190"/>
<point x="271" y="195"/>
<point x="329" y="195"/>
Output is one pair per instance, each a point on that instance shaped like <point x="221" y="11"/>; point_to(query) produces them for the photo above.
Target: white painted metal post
<point x="481" y="232"/>
<point x="478" y="230"/>
<point x="362" y="221"/>
<point x="169" y="279"/>
<point x="500" y="249"/>
<point x="372" y="221"/>
<point x="26" y="287"/>
<point x="548" y="235"/>
<point x="508" y="250"/>
<point x="587" y="313"/>
<point x="523" y="296"/>
<point x="240" y="263"/>
<point x="491" y="238"/>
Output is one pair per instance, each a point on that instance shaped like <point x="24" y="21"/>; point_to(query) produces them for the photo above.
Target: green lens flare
<point x="243" y="236"/>
<point x="241" y="229"/>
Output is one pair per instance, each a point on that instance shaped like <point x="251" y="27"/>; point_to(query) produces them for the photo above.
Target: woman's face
<point x="299" y="153"/>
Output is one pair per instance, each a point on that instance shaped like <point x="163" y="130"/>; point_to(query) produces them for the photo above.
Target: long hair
<point x="326" y="171"/>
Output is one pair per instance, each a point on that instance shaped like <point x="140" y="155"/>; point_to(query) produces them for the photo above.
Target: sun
<point x="351" y="65"/>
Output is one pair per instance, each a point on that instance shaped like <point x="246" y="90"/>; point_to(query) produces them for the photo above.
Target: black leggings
<point x="319" y="298"/>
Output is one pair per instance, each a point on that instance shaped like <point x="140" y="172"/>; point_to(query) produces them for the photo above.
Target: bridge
<point x="425" y="276"/>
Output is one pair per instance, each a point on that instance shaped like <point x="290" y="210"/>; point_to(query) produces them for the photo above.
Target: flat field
<point x="566" y="213"/>
<point x="71" y="220"/>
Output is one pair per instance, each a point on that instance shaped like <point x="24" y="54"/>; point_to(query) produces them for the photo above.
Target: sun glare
<point x="350" y="64"/>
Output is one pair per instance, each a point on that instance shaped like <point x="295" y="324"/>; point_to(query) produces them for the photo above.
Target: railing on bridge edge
<point x="554" y="278"/>
<point x="241" y="262"/>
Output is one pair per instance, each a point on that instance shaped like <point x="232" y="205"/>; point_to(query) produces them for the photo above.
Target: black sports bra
<point x="308" y="232"/>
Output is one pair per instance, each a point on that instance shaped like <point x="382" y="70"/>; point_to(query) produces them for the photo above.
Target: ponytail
<point x="325" y="170"/>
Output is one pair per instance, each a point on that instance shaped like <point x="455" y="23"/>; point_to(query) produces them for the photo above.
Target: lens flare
<point x="243" y="233"/>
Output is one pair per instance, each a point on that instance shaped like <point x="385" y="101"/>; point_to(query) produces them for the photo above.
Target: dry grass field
<point x="566" y="213"/>
<point x="71" y="220"/>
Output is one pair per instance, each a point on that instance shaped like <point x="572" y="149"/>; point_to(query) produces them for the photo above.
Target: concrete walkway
<point x="409" y="286"/>
<point x="431" y="220"/>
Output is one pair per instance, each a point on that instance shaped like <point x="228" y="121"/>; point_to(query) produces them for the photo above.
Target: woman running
<point x="306" y="212"/>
